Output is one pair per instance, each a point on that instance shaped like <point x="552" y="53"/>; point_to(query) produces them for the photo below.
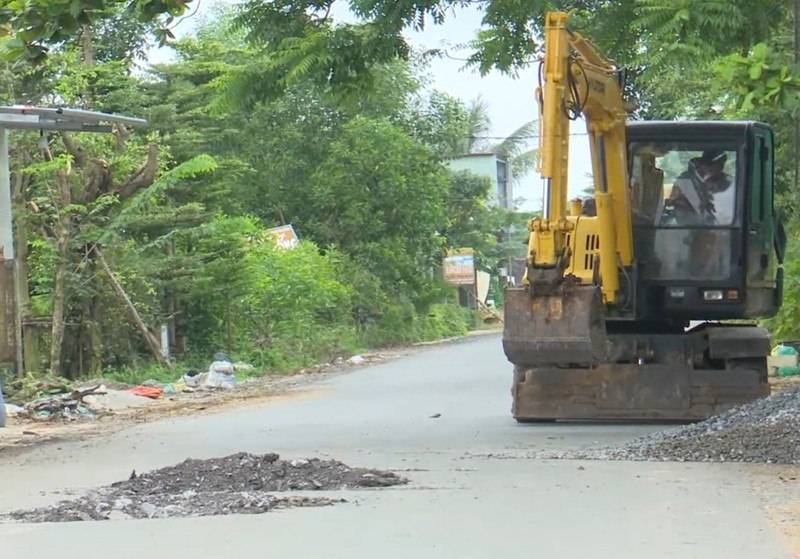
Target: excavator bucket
<point x="548" y="329"/>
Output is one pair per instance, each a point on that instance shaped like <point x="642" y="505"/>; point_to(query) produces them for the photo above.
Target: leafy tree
<point x="36" y="26"/>
<point x="183" y="239"/>
<point x="380" y="196"/>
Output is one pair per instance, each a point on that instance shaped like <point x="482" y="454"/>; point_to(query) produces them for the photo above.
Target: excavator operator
<point x="703" y="195"/>
<point x="693" y="195"/>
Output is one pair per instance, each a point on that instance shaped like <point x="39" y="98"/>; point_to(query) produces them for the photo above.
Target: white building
<point x="490" y="165"/>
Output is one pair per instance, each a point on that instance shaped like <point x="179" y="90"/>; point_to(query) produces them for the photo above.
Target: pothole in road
<point x="237" y="484"/>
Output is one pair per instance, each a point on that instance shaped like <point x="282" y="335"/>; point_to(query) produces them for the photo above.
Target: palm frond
<point x="479" y="124"/>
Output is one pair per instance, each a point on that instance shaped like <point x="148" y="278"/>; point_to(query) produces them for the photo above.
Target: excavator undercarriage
<point x="668" y="374"/>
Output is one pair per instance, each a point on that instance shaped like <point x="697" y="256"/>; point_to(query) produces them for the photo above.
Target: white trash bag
<point x="221" y="373"/>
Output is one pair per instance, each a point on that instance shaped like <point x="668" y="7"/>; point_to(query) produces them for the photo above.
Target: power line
<point x="526" y="137"/>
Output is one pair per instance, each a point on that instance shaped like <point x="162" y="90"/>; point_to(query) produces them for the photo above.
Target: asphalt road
<point x="458" y="505"/>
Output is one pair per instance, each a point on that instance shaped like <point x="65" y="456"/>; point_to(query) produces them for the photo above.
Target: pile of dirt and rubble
<point x="237" y="484"/>
<point x="764" y="431"/>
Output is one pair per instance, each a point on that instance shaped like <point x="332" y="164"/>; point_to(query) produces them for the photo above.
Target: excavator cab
<point x="707" y="240"/>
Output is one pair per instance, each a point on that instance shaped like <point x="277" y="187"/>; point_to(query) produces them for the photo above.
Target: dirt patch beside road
<point x="22" y="435"/>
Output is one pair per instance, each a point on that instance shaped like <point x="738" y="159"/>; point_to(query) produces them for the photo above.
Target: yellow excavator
<point x="641" y="303"/>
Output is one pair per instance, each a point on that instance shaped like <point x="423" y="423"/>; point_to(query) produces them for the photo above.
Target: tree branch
<point x="74" y="149"/>
<point x="121" y="133"/>
<point x="143" y="177"/>
<point x="96" y="180"/>
<point x="152" y="343"/>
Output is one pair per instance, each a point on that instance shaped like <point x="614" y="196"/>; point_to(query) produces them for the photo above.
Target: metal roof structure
<point x="26" y="117"/>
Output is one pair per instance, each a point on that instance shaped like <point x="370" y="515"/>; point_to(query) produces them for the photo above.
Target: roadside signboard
<point x="284" y="236"/>
<point x="458" y="267"/>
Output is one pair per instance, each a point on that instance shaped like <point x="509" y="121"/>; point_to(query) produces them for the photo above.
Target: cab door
<point x="761" y="264"/>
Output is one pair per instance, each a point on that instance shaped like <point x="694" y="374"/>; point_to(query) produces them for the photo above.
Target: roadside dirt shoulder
<point x="21" y="435"/>
<point x="778" y="488"/>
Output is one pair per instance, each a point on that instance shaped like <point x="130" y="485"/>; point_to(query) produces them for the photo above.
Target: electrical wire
<point x="523" y="137"/>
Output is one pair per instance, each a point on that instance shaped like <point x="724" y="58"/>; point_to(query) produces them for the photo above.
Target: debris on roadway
<point x="237" y="484"/>
<point x="68" y="406"/>
<point x="764" y="431"/>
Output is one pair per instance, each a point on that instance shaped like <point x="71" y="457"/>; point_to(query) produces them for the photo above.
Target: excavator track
<point x="632" y="392"/>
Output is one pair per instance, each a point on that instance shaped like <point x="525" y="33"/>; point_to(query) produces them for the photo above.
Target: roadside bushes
<point x="283" y="308"/>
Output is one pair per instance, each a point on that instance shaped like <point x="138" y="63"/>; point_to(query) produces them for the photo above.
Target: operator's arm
<point x="678" y="199"/>
<point x="684" y="205"/>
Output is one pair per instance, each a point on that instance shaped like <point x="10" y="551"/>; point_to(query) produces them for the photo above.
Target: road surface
<point x="457" y="506"/>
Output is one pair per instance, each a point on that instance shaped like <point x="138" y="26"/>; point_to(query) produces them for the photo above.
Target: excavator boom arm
<point x="579" y="80"/>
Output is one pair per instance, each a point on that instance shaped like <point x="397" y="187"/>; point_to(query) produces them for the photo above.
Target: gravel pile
<point x="236" y="484"/>
<point x="764" y="431"/>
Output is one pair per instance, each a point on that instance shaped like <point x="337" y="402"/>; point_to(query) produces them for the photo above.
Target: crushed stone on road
<point x="765" y="431"/>
<point x="236" y="484"/>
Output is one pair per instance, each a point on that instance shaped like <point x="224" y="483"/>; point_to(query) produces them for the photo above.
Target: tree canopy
<point x="275" y="113"/>
<point x="171" y="224"/>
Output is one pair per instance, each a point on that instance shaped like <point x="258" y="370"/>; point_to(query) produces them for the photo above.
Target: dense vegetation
<point x="168" y="225"/>
<point x="275" y="114"/>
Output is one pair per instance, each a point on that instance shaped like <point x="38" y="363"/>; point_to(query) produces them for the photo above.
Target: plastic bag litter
<point x="782" y="349"/>
<point x="220" y="375"/>
<point x="788" y="354"/>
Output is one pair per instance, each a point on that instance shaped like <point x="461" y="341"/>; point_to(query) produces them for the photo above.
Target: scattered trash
<point x="13" y="409"/>
<point x="192" y="379"/>
<point x="171" y="388"/>
<point x="52" y="399"/>
<point x="70" y="406"/>
<point x="236" y="484"/>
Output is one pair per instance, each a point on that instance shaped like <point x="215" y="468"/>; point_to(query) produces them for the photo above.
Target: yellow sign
<point x="458" y="267"/>
<point x="284" y="236"/>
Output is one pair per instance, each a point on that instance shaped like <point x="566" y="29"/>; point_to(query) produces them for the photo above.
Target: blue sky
<point x="512" y="101"/>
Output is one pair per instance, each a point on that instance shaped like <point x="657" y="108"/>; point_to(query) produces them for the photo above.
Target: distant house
<point x="490" y="165"/>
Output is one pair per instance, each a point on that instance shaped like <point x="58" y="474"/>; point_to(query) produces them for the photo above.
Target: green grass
<point x="321" y="345"/>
